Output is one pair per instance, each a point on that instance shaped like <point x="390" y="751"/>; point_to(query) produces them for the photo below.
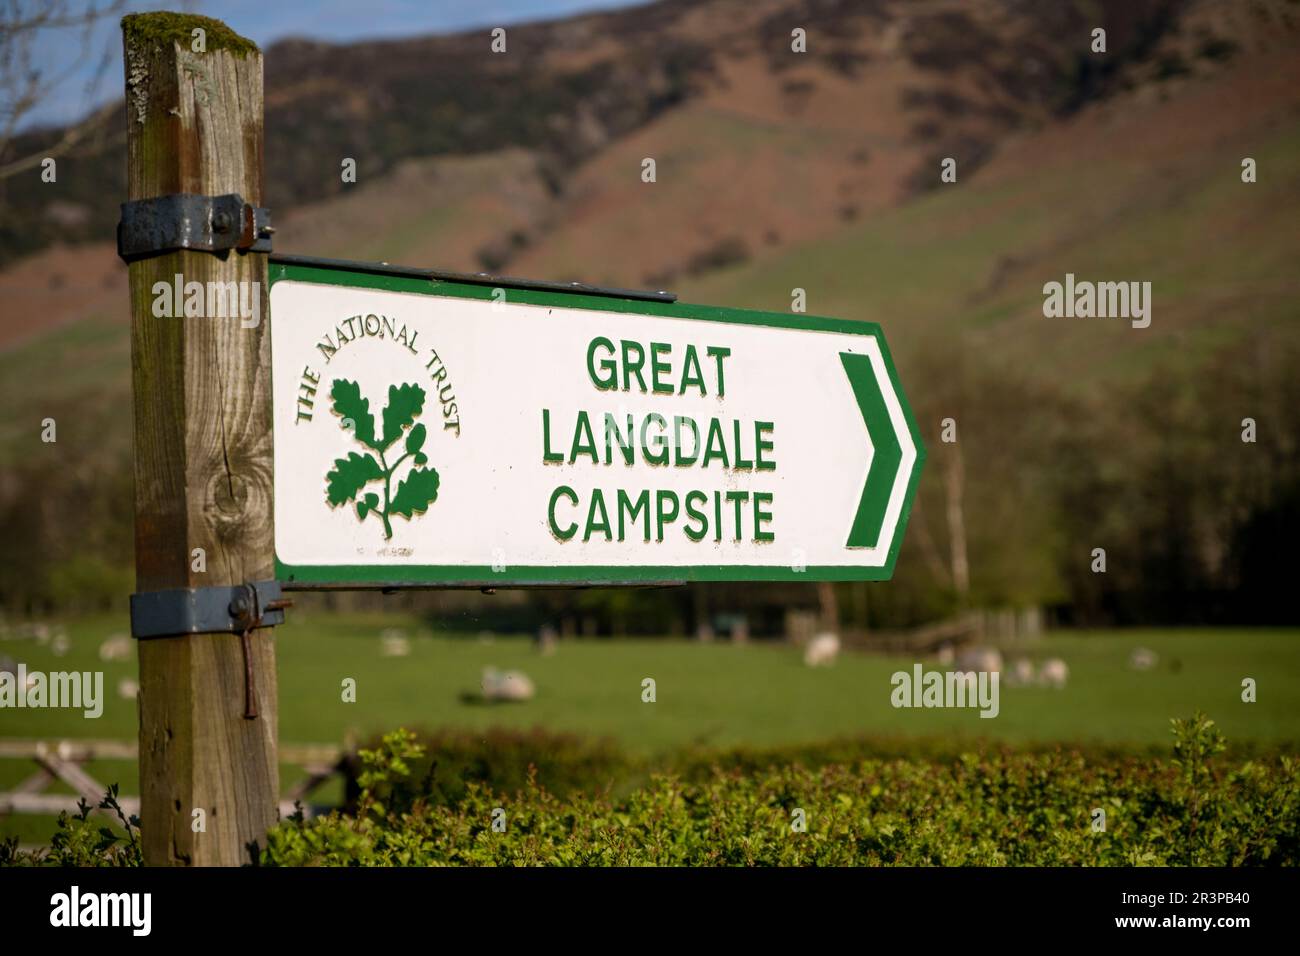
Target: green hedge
<point x="993" y="809"/>
<point x="503" y="760"/>
<point x="1196" y="808"/>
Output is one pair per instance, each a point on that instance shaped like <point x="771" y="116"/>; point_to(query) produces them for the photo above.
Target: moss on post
<point x="142" y="28"/>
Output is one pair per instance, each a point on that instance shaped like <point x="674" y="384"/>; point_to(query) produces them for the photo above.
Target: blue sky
<point x="266" y="21"/>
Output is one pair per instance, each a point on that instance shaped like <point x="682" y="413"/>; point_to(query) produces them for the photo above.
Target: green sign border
<point x="346" y="577"/>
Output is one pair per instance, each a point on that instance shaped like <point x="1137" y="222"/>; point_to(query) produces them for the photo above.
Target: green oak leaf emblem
<point x="347" y="480"/>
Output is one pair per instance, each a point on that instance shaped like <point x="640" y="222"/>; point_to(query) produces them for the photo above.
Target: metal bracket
<point x="151" y="227"/>
<point x="210" y="610"/>
<point x="475" y="278"/>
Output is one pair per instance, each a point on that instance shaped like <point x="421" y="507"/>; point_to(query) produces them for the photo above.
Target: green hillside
<point x="1072" y="434"/>
<point x="966" y="263"/>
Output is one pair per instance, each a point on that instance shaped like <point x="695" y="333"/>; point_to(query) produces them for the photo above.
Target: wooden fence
<point x="65" y="761"/>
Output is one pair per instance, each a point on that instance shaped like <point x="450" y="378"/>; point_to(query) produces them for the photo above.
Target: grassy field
<point x="715" y="695"/>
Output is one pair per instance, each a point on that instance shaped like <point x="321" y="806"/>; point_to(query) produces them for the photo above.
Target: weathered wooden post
<point x="203" y="468"/>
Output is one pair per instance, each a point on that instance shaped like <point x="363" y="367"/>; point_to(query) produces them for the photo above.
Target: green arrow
<point x="884" y="463"/>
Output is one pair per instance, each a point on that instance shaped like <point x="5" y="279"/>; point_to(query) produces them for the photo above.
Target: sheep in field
<point x="1054" y="673"/>
<point x="506" y="685"/>
<point x="978" y="659"/>
<point x="116" y="648"/>
<point x="822" y="650"/>
<point x="1022" y="672"/>
<point x="1143" y="659"/>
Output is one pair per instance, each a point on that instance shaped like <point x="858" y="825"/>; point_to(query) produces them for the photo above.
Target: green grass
<point x="714" y="694"/>
<point x="710" y="695"/>
<point x="78" y="374"/>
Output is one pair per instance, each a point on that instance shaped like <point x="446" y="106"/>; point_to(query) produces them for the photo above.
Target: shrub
<point x="999" y="808"/>
<point x="991" y="809"/>
<point x="448" y="762"/>
<point x="81" y="841"/>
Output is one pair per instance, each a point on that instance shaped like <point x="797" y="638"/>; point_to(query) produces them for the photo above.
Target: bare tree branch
<point x="90" y="126"/>
<point x="25" y="84"/>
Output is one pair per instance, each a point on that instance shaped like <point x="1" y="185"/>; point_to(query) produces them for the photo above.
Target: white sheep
<point x="1022" y="672"/>
<point x="393" y="643"/>
<point x="116" y="648"/>
<point x="978" y="659"/>
<point x="1142" y="659"/>
<point x="506" y="685"/>
<point x="1054" y="673"/>
<point x="822" y="650"/>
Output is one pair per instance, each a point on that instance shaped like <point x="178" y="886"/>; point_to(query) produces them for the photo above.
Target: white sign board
<point x="437" y="433"/>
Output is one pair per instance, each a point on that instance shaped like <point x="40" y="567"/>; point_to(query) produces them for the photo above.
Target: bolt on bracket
<point x="151" y="227"/>
<point x="230" y="609"/>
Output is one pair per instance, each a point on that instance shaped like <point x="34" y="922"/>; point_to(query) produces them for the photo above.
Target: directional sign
<point x="431" y="432"/>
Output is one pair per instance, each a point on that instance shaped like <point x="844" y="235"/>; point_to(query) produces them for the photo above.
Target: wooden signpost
<point x="203" y="468"/>
<point x="405" y="428"/>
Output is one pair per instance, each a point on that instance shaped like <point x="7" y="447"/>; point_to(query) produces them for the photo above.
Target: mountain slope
<point x="964" y="74"/>
<point x="777" y="171"/>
